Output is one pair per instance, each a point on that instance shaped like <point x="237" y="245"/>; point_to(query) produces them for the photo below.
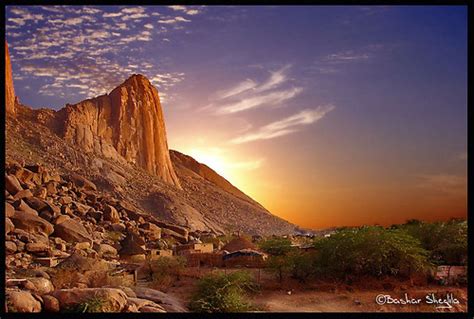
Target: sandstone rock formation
<point x="9" y="89"/>
<point x="126" y="124"/>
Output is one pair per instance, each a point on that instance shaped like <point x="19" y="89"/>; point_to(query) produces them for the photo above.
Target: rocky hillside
<point x="118" y="141"/>
<point x="68" y="246"/>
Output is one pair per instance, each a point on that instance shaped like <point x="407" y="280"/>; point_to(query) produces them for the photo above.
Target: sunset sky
<point x="328" y="116"/>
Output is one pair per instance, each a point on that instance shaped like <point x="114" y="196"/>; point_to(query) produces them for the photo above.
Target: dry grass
<point x="100" y="279"/>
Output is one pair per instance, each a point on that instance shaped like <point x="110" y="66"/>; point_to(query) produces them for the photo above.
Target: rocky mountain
<point x="118" y="141"/>
<point x="126" y="124"/>
<point x="186" y="162"/>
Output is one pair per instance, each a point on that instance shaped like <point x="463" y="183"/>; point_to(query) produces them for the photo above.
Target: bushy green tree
<point x="220" y="292"/>
<point x="371" y="250"/>
<point x="446" y="241"/>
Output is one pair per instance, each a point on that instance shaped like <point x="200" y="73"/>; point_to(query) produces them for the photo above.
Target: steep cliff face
<point x="125" y="125"/>
<point x="9" y="89"/>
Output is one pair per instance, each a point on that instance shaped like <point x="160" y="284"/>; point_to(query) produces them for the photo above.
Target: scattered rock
<point x="109" y="299"/>
<point x="41" y="285"/>
<point x="83" y="182"/>
<point x="31" y="223"/>
<point x="22" y="301"/>
<point x="111" y="214"/>
<point x="12" y="185"/>
<point x="10" y="247"/>
<point x="71" y="231"/>
<point x="50" y="303"/>
<point x="170" y="304"/>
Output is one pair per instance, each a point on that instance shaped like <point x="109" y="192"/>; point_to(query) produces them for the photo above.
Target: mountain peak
<point x="134" y="79"/>
<point x="127" y="124"/>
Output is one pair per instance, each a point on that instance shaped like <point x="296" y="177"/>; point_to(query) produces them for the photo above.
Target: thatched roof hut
<point x="239" y="243"/>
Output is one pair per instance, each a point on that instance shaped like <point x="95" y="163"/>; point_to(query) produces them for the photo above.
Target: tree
<point x="446" y="241"/>
<point x="276" y="246"/>
<point x="370" y="250"/>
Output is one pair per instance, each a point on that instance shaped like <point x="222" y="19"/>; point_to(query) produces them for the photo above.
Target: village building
<point x="242" y="253"/>
<point x="193" y="248"/>
<point x="156" y="253"/>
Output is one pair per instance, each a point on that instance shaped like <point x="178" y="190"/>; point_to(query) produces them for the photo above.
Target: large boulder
<point x="81" y="264"/>
<point x="82" y="182"/>
<point x="31" y="223"/>
<point x="41" y="285"/>
<point x="105" y="250"/>
<point x="22" y="301"/>
<point x="9" y="210"/>
<point x="12" y="185"/>
<point x="9" y="227"/>
<point x="72" y="231"/>
<point x="50" y="303"/>
<point x="111" y="214"/>
<point x="152" y="231"/>
<point x="169" y="303"/>
<point x="105" y="299"/>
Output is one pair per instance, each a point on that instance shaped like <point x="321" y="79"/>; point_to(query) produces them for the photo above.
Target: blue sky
<point x="347" y="100"/>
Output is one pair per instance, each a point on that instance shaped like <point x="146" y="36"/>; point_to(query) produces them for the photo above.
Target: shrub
<point x="91" y="305"/>
<point x="165" y="270"/>
<point x="278" y="265"/>
<point x="301" y="265"/>
<point x="220" y="292"/>
<point x="372" y="251"/>
<point x="101" y="278"/>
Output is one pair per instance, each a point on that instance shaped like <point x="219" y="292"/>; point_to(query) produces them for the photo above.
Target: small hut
<point x="239" y="243"/>
<point x="245" y="258"/>
<point x="242" y="253"/>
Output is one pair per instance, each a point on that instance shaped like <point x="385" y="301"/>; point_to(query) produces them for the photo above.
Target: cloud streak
<point x="285" y="126"/>
<point x="250" y="94"/>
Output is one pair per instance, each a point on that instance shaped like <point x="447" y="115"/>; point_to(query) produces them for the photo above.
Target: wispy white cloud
<point x="239" y="88"/>
<point x="267" y="99"/>
<point x="285" y="126"/>
<point x="250" y="94"/>
<point x="347" y="56"/>
<point x="173" y="20"/>
<point x="112" y="14"/>
<point x="185" y="9"/>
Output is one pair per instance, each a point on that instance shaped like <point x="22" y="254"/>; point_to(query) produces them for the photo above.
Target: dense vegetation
<point x="220" y="292"/>
<point x="446" y="241"/>
<point x="403" y="251"/>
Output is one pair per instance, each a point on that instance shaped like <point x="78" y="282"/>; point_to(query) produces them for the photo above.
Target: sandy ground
<point x="330" y="297"/>
<point x="357" y="301"/>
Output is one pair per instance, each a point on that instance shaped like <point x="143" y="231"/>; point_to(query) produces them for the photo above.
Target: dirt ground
<point x="291" y="296"/>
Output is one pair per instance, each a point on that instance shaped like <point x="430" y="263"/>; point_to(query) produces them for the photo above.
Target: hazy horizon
<point x="327" y="116"/>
